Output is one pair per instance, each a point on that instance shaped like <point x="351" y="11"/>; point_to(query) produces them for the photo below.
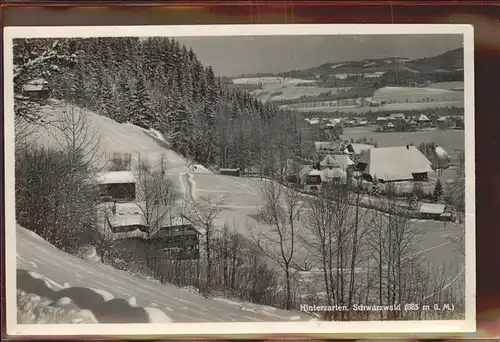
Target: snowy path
<point x="180" y="305"/>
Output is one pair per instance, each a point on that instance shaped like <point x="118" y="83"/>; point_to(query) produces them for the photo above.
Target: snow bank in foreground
<point x="60" y="301"/>
<point x="105" y="294"/>
<point x="32" y="309"/>
<point x="48" y="282"/>
<point x="155" y="315"/>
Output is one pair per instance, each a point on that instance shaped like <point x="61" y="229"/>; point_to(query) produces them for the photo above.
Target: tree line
<point x="158" y="83"/>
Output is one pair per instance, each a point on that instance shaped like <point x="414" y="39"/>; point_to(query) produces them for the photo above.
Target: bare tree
<point x="336" y="231"/>
<point x="75" y="135"/>
<point x="280" y="212"/>
<point x="201" y="213"/>
<point x="67" y="189"/>
<point x="156" y="196"/>
<point x="393" y="245"/>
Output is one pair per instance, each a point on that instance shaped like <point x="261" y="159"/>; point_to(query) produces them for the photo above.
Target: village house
<point x="337" y="161"/>
<point x="315" y="179"/>
<point x="173" y="234"/>
<point x="117" y="186"/>
<point x="231" y="172"/>
<point x="436" y="211"/>
<point x="329" y="147"/>
<point x="390" y="127"/>
<point x="423" y="121"/>
<point x="445" y="122"/>
<point x="412" y="125"/>
<point x="398" y="120"/>
<point x="37" y="88"/>
<point x="393" y="164"/>
<point x="381" y="121"/>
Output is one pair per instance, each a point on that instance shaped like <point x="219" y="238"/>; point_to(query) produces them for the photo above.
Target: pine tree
<point x="438" y="192"/>
<point x="141" y="114"/>
<point x="123" y="95"/>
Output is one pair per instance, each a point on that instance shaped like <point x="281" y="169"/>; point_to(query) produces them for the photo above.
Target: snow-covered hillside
<point x="115" y="296"/>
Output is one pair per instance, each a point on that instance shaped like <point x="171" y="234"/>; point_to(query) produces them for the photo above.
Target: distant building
<point x="230" y="172"/>
<point x="313" y="180"/>
<point x="445" y="122"/>
<point x="37" y="88"/>
<point x="176" y="236"/>
<point x="390" y="127"/>
<point x="412" y="125"/>
<point x="316" y="179"/>
<point x="117" y="186"/>
<point x="391" y="164"/>
<point x="423" y="120"/>
<point x="336" y="161"/>
<point x="398" y="120"/>
<point x="355" y="149"/>
<point x="436" y="211"/>
<point x="329" y="147"/>
<point x="334" y="174"/>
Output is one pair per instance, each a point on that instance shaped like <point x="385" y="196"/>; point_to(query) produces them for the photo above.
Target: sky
<point x="233" y="56"/>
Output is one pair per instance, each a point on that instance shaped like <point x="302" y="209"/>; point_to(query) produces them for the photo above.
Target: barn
<point x="230" y="172"/>
<point x="117" y="186"/>
<point x="36" y="88"/>
<point x="436" y="211"/>
<point x="394" y="164"/>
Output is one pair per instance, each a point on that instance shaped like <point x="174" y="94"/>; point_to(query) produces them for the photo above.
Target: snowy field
<point x="397" y="98"/>
<point x="312" y="107"/>
<point x="265" y="81"/>
<point x="91" y="285"/>
<point x="291" y="92"/>
<point x="403" y="94"/>
<point x="448" y="85"/>
<point x="450" y="140"/>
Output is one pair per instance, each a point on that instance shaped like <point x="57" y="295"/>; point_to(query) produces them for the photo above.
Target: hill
<point x="448" y="62"/>
<point x="157" y="303"/>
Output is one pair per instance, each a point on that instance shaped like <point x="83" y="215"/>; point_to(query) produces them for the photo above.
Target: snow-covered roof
<point x="35" y="85"/>
<point x="397" y="116"/>
<point x="390" y="124"/>
<point x="442" y="118"/>
<point x="127" y="220"/>
<point x="116" y="177"/>
<point x="340" y="160"/>
<point x="359" y="148"/>
<point x="381" y="118"/>
<point x="423" y="117"/>
<point x="395" y="163"/>
<point x="314" y="172"/>
<point x="432" y="208"/>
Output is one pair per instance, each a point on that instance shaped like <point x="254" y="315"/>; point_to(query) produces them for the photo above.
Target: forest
<point x="158" y="83"/>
